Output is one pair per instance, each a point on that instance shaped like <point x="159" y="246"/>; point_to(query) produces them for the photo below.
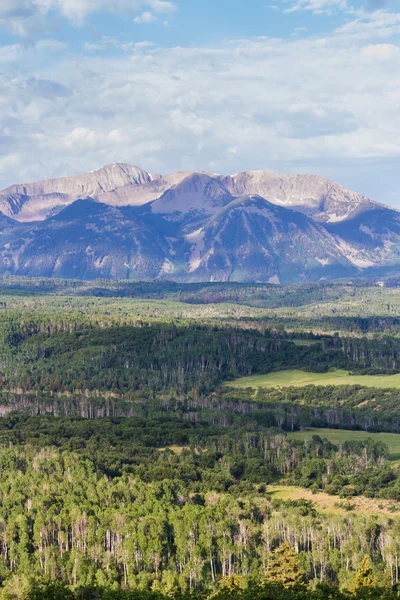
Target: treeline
<point x="153" y="358"/>
<point x="38" y="589"/>
<point x="293" y="408"/>
<point x="61" y="355"/>
<point x="342" y="407"/>
<point x="257" y="294"/>
<point x="330" y="299"/>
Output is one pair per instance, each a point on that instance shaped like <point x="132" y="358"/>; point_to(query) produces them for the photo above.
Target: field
<point x="392" y="440"/>
<point x="324" y="503"/>
<point x="297" y="378"/>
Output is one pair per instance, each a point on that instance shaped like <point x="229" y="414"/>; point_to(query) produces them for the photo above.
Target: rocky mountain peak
<point x="122" y="221"/>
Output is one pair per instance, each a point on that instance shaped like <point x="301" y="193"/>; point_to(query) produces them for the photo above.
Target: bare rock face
<point x="137" y="195"/>
<point x="122" y="222"/>
<point x="195" y="192"/>
<point x="313" y="195"/>
<point x="127" y="185"/>
<point x="35" y="201"/>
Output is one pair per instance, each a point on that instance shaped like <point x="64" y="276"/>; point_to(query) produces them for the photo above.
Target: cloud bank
<point x="301" y="105"/>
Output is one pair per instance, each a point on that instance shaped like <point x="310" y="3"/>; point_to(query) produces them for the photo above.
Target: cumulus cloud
<point x="300" y="105"/>
<point x="377" y="25"/>
<point x="161" y="6"/>
<point x="22" y="17"/>
<point x="145" y="18"/>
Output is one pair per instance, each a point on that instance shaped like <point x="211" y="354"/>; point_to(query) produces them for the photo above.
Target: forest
<point x="130" y="468"/>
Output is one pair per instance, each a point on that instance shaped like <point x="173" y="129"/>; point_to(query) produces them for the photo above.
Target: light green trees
<point x="284" y="567"/>
<point x="364" y="577"/>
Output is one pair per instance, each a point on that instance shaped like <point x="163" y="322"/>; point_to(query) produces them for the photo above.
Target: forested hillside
<point x="165" y="503"/>
<point x="130" y="468"/>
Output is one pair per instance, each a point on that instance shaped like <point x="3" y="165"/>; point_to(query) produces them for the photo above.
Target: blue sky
<point x="307" y="86"/>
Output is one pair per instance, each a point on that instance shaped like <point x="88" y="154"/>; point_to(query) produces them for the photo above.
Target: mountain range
<point x="123" y="222"/>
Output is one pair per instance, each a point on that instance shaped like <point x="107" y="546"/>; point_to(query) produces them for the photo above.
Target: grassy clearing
<point x="336" y="436"/>
<point x="325" y="503"/>
<point x="297" y="378"/>
<point x="175" y="449"/>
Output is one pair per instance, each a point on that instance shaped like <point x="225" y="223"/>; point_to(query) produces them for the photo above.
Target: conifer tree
<point x="364" y="577"/>
<point x="285" y="566"/>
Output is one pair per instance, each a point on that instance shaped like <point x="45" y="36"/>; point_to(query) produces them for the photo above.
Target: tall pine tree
<point x="285" y="566"/>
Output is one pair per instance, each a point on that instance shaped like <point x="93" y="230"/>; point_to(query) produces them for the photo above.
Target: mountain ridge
<point x="121" y="221"/>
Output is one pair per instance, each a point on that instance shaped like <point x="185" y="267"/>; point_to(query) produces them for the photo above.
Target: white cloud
<point x="10" y="53"/>
<point x="145" y="18"/>
<point x="8" y="162"/>
<point x="89" y="138"/>
<point x="319" y="6"/>
<point x="49" y="45"/>
<point x="379" y="25"/>
<point x="381" y="52"/>
<point x="161" y="6"/>
<point x="21" y="17"/>
<point x="300" y="105"/>
<point x="106" y="43"/>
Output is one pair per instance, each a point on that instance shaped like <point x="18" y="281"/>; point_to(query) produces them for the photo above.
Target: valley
<point x="161" y="439"/>
<point x="199" y="300"/>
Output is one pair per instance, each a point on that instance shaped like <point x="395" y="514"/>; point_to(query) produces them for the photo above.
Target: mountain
<point x="315" y="196"/>
<point x="87" y="240"/>
<point x="126" y="185"/>
<point x="373" y="233"/>
<point x="195" y="192"/>
<point x="36" y="201"/>
<point x="252" y="239"/>
<point x="121" y="221"/>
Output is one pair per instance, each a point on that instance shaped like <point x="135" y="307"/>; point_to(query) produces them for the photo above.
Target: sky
<point x="295" y="86"/>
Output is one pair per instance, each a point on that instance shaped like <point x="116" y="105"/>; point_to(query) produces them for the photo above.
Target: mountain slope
<point x="373" y="234"/>
<point x="122" y="222"/>
<point x="248" y="239"/>
<point x="36" y="201"/>
<point x="87" y="240"/>
<point x="251" y="239"/>
<point x="126" y="185"/>
<point x="196" y="192"/>
<point x="315" y="196"/>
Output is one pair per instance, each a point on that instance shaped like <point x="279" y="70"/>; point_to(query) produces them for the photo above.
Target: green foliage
<point x="161" y="491"/>
<point x="284" y="567"/>
<point x="163" y="503"/>
<point x="364" y="577"/>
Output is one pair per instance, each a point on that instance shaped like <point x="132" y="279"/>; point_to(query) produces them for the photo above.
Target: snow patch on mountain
<point x="196" y="238"/>
<point x="274" y="279"/>
<point x="167" y="267"/>
<point x="354" y="256"/>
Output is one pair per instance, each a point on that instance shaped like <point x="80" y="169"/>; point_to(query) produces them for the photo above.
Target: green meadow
<point x="337" y="436"/>
<point x="299" y="378"/>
